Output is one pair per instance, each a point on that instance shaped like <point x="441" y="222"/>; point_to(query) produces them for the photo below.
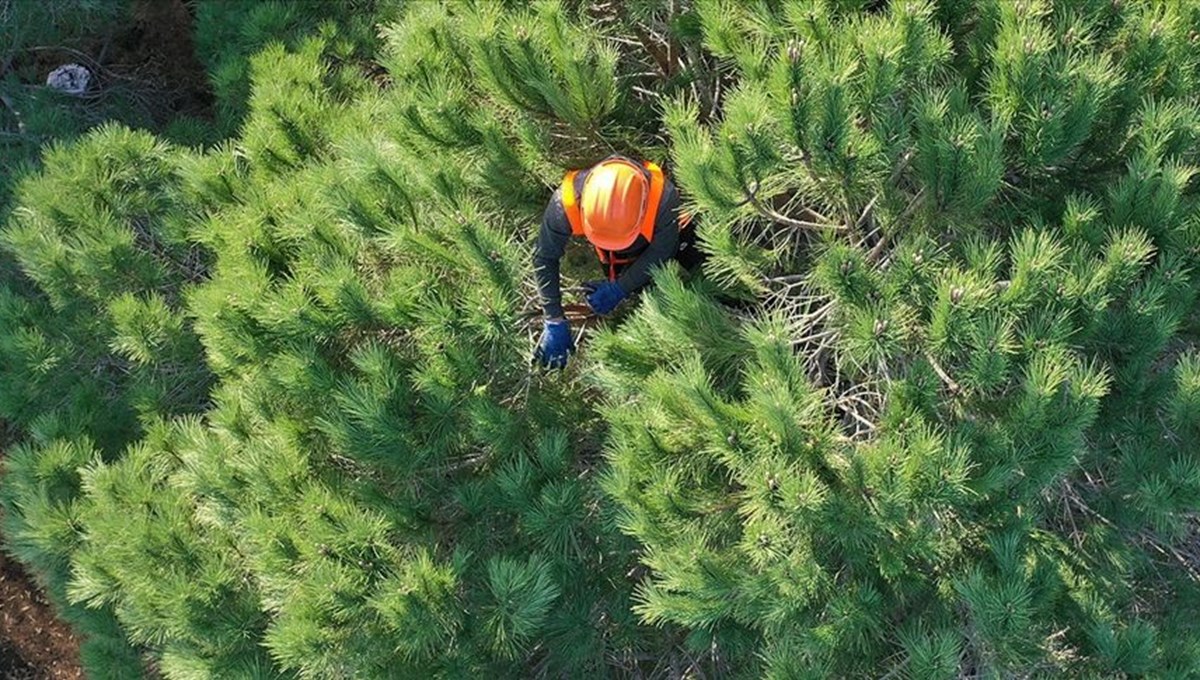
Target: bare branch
<point x="913" y="204"/>
<point x="954" y="387"/>
<point x="768" y="212"/>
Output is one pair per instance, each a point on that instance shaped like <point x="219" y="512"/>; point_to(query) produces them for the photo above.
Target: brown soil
<point x="159" y="43"/>
<point x="34" y="644"/>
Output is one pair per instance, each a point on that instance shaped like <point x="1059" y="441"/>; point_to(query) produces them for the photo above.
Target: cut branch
<point x="658" y="52"/>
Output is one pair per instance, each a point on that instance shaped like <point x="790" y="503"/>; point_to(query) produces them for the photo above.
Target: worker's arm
<point x="662" y="247"/>
<point x="551" y="244"/>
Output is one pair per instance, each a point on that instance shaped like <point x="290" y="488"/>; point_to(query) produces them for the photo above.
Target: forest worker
<point x="630" y="213"/>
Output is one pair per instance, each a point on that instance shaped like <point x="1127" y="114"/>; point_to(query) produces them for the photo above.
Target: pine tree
<point x="100" y="237"/>
<point x="228" y="33"/>
<point x="376" y="460"/>
<point x="966" y="231"/>
<point x="929" y="410"/>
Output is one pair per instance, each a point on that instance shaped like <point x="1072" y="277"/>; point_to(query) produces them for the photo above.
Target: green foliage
<point x="31" y="115"/>
<point x="521" y="596"/>
<point x="529" y="89"/>
<point x="28" y="24"/>
<point x="930" y="411"/>
<point x="376" y="460"/>
<point x="960" y="402"/>
<point x="43" y="527"/>
<point x="229" y="33"/>
<point x="99" y="238"/>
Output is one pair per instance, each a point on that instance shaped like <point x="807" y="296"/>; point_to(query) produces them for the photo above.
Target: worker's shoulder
<point x="555" y="215"/>
<point x="669" y="184"/>
<point x="670" y="193"/>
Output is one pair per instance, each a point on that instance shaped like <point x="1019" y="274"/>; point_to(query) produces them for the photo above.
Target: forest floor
<point x="155" y="47"/>
<point x="150" y="62"/>
<point x="34" y="644"/>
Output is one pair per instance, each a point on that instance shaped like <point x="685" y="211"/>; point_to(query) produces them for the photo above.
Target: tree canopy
<point x="930" y="409"/>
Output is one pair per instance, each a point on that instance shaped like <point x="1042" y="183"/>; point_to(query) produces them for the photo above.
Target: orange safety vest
<point x="610" y="258"/>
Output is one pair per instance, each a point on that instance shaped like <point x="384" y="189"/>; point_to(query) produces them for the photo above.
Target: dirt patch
<point x="33" y="642"/>
<point x="159" y="44"/>
<point x="13" y="667"/>
<point x="148" y="65"/>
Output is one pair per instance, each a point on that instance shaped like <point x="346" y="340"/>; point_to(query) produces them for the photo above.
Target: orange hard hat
<point x="613" y="203"/>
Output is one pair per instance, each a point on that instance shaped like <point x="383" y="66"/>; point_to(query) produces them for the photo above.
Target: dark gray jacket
<point x="556" y="232"/>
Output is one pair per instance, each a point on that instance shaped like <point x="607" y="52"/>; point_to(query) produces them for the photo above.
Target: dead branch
<point x="763" y="209"/>
<point x="951" y="385"/>
<point x="911" y="208"/>
<point x="1144" y="537"/>
<point x="659" y="53"/>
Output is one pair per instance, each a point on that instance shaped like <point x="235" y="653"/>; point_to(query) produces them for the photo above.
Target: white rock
<point x="70" y="79"/>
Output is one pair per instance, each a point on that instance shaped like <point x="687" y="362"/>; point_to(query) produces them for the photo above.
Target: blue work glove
<point x="603" y="296"/>
<point x="556" y="345"/>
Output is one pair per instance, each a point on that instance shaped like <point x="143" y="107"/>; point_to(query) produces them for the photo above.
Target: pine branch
<point x="652" y="46"/>
<point x="577" y="313"/>
<point x="751" y="194"/>
<point x="868" y="426"/>
<point x="937" y="368"/>
<point x="907" y="213"/>
<point x="709" y="101"/>
<point x="877" y="250"/>
<point x="649" y="93"/>
<point x="891" y="182"/>
<point x="1143" y="536"/>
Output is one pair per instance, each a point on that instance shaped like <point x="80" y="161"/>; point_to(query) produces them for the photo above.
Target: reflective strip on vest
<point x="571" y="203"/>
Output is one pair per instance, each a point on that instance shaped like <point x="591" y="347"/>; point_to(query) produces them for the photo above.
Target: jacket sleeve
<point x="662" y="247"/>
<point x="552" y="242"/>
